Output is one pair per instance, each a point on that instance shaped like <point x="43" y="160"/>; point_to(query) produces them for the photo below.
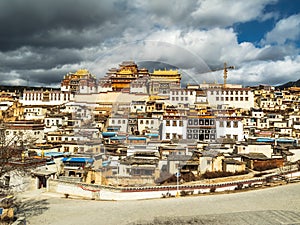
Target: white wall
<point x="230" y="130"/>
<point x="174" y="129"/>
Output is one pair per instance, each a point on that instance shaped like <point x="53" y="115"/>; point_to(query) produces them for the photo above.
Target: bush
<point x="211" y="175"/>
<point x="239" y="187"/>
<point x="265" y="167"/>
<point x="212" y="189"/>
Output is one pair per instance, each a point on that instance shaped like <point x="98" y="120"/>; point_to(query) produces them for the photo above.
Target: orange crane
<point x="225" y="68"/>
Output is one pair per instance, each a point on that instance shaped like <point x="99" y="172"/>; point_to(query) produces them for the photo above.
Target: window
<point x="167" y="135"/>
<point x="174" y="135"/>
<point x="181" y="123"/>
<point x="168" y="123"/>
<point x="235" y="124"/>
<point x="217" y="98"/>
<point x="174" y="123"/>
<point x="206" y="122"/>
<point x="195" y="122"/>
<point x="228" y="124"/>
<point x="221" y="123"/>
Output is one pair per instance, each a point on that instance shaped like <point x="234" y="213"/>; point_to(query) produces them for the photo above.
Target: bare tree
<point x="13" y="158"/>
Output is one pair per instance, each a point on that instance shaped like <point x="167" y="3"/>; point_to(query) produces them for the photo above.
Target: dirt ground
<point x="274" y="205"/>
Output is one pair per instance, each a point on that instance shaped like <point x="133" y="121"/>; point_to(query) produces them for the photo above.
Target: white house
<point x="233" y="97"/>
<point x="138" y="107"/>
<point x="174" y="127"/>
<point x="34" y="112"/>
<point x="246" y="148"/>
<point x="148" y="124"/>
<point x="230" y="127"/>
<point x="119" y="121"/>
<point x="182" y="96"/>
<point x="25" y="132"/>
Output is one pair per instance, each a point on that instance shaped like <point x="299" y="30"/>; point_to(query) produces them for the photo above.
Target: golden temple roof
<point x="82" y="72"/>
<point x="165" y="72"/>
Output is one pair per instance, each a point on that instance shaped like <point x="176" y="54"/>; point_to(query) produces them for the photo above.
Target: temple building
<point x="82" y="81"/>
<point x="161" y="81"/>
<point x="45" y="97"/>
<point x="121" y="78"/>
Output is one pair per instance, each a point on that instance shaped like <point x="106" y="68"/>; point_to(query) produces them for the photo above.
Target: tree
<point x="13" y="159"/>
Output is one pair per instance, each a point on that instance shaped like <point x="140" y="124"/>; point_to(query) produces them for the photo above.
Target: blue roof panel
<point x="109" y="134"/>
<point x="78" y="160"/>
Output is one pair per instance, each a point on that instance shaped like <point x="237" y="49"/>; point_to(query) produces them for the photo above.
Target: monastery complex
<point x="135" y="127"/>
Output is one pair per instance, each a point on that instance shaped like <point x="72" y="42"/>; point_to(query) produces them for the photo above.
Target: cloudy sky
<point x="41" y="40"/>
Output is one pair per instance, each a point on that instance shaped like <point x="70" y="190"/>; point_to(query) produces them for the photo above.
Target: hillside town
<point x="135" y="128"/>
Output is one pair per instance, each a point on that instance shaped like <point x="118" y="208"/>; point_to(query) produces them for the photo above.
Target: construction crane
<point x="225" y="68"/>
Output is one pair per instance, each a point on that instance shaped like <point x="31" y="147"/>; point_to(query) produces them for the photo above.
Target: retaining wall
<point x="101" y="192"/>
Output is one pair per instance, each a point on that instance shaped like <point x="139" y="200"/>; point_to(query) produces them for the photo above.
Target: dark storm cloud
<point x="64" y="23"/>
<point x="35" y="77"/>
<point x="38" y="58"/>
<point x="43" y="78"/>
<point x="42" y="40"/>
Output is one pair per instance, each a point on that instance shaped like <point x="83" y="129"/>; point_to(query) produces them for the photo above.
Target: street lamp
<point x="177" y="174"/>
